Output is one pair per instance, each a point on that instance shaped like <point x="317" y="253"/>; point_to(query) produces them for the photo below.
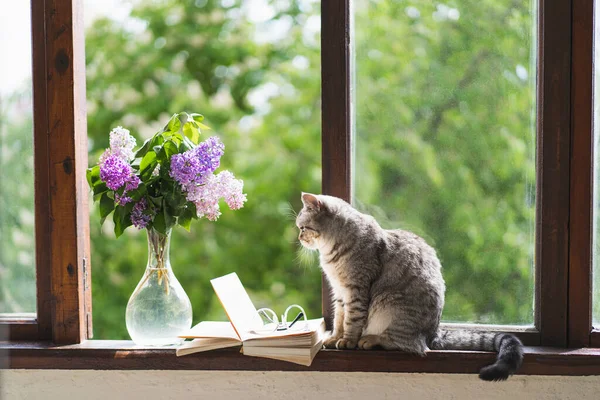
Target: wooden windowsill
<point x="124" y="355"/>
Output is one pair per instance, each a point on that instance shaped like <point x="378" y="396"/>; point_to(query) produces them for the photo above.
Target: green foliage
<point x="17" y="212"/>
<point x="445" y="104"/>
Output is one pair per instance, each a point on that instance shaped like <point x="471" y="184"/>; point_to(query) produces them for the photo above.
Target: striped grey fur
<point x="387" y="287"/>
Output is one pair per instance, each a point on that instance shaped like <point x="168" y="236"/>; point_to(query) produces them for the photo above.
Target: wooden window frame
<point x="580" y="330"/>
<point x="57" y="338"/>
<point x="61" y="193"/>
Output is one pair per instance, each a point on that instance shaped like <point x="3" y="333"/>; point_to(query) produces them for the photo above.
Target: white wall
<point x="146" y="385"/>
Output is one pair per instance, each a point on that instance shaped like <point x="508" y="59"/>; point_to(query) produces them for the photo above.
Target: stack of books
<point x="299" y="343"/>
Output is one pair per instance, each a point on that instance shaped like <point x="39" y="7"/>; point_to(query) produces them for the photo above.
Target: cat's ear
<point x="311" y="201"/>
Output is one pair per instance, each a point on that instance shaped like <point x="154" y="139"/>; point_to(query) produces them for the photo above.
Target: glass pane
<point x="252" y="68"/>
<point x="17" y="234"/>
<point x="445" y="142"/>
<point x="596" y="209"/>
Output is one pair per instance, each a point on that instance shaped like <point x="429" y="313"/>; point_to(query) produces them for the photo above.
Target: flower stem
<point x="159" y="247"/>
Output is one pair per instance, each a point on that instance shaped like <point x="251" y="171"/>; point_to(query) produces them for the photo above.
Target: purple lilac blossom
<point x="209" y="153"/>
<point x="191" y="167"/>
<point x="194" y="171"/>
<point x="138" y="218"/>
<point x="185" y="167"/>
<point x="133" y="182"/>
<point x="121" y="200"/>
<point x="114" y="171"/>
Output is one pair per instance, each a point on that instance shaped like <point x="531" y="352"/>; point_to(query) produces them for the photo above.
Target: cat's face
<point x="311" y="221"/>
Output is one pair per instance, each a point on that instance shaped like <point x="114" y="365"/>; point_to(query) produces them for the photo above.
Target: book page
<point x="300" y="329"/>
<point x="205" y="344"/>
<point x="211" y="329"/>
<point x="312" y="327"/>
<point x="237" y="304"/>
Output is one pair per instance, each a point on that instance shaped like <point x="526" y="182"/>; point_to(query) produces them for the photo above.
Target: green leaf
<point x="144" y="149"/>
<point x="184" y="117"/>
<point x="98" y="196"/>
<point x="147" y="165"/>
<point x="107" y="205"/>
<point x="157" y="201"/>
<point x="122" y="220"/>
<point x="157" y="140"/>
<point x="174" y="201"/>
<point x="187" y="144"/>
<point x="138" y="193"/>
<point x="159" y="223"/>
<point x="174" y="124"/>
<point x="93" y="175"/>
<point x="197" y="117"/>
<point x="200" y="125"/>
<point x="100" y="188"/>
<point x="185" y="222"/>
<point x="191" y="132"/>
<point x="177" y="139"/>
<point x="169" y="218"/>
<point x="186" y="217"/>
<point x="168" y="149"/>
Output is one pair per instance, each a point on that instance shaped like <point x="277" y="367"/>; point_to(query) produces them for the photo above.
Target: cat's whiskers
<point x="305" y="257"/>
<point x="290" y="212"/>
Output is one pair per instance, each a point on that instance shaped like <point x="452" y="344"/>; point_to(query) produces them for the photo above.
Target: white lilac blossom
<point x="122" y="143"/>
<point x="206" y="196"/>
<point x="115" y="169"/>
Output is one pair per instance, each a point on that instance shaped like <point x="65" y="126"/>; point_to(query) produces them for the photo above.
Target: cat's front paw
<point x="344" y="343"/>
<point x="330" y="341"/>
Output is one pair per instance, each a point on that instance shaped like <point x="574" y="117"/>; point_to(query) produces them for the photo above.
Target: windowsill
<point x="124" y="355"/>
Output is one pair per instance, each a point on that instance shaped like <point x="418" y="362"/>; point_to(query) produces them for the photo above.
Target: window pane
<point x="17" y="234"/>
<point x="445" y="142"/>
<point x="252" y="68"/>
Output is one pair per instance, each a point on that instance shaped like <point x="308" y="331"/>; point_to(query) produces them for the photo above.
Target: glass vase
<point x="159" y="309"/>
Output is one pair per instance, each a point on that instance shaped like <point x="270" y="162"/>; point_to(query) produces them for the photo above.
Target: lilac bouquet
<point x="169" y="181"/>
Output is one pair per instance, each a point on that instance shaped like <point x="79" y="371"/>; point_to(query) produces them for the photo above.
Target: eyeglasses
<point x="270" y="318"/>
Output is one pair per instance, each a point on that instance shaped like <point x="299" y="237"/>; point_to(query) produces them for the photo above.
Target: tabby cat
<point x="388" y="289"/>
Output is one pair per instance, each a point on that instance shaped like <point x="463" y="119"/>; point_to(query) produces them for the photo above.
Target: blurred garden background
<point x="444" y="143"/>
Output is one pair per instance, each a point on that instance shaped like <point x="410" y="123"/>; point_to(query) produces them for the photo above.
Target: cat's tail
<point x="508" y="346"/>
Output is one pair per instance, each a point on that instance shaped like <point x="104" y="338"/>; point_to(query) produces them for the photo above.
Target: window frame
<point x="580" y="328"/>
<point x="63" y="270"/>
<point x="552" y="200"/>
<point x="564" y="162"/>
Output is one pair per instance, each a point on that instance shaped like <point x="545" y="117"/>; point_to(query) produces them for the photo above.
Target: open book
<point x="245" y="328"/>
